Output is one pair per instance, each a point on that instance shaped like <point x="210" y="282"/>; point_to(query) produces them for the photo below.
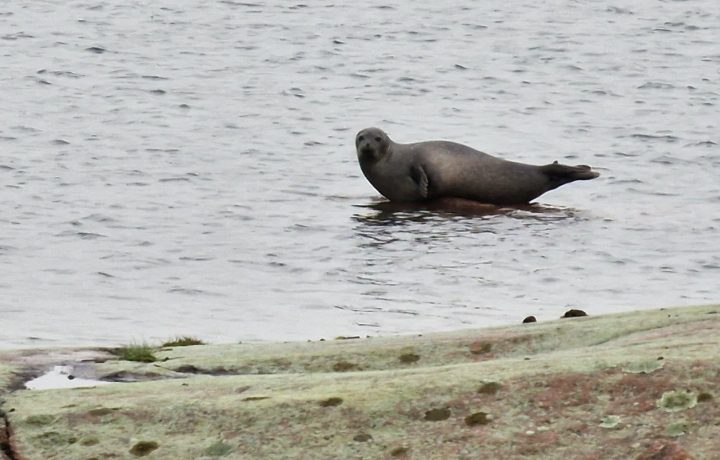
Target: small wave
<point x="655" y="137"/>
<point x="193" y="292"/>
<point x="83" y="235"/>
<point x="656" y="85"/>
<point x="196" y="258"/>
<point x="60" y="73"/>
<point x="16" y="36"/>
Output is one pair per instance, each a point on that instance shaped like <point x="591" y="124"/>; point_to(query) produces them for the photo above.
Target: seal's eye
<point x="360" y="138"/>
<point x="378" y="139"/>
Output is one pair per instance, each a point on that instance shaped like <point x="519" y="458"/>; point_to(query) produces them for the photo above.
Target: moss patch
<point x="141" y="353"/>
<point x="184" y="341"/>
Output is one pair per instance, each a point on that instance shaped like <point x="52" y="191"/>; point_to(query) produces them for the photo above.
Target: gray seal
<point x="425" y="171"/>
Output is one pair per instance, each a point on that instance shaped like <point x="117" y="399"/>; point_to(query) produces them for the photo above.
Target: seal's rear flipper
<point x="565" y="173"/>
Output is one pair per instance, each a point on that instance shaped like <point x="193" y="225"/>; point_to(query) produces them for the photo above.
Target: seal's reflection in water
<point x="392" y="215"/>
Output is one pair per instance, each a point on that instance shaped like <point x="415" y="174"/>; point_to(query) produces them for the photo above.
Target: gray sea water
<point x="183" y="167"/>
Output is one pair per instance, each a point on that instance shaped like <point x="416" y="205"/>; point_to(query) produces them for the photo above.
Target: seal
<point x="425" y="171"/>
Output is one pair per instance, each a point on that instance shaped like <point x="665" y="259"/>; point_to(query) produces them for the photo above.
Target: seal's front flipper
<point x="565" y="173"/>
<point x="418" y="175"/>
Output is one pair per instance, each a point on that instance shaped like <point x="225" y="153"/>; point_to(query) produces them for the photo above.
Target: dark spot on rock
<point x="242" y="389"/>
<point x="96" y="49"/>
<point x="143" y="448"/>
<point x="40" y="419"/>
<point x="90" y="441"/>
<point x="71" y="377"/>
<point x="99" y="412"/>
<point x="489" y="388"/>
<point x="126" y="376"/>
<point x="362" y="437"/>
<point x="662" y="450"/>
<point x="573" y="313"/>
<point x="436" y="415"/>
<point x="256" y="398"/>
<point x="399" y="452"/>
<point x="344" y="366"/>
<point x="479" y="348"/>
<point x="704" y="397"/>
<point x="189" y="369"/>
<point x="347" y="337"/>
<point x="331" y="402"/>
<point x="409" y="358"/>
<point x="530" y="319"/>
<point x="478" y="418"/>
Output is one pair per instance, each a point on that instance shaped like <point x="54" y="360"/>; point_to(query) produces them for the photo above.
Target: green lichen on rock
<point x="40" y="419"/>
<point x="643" y="367"/>
<point x="674" y="401"/>
<point x="678" y="428"/>
<point x="610" y="421"/>
<point x="218" y="449"/>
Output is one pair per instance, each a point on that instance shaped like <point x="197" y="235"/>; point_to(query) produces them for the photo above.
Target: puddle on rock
<point x="61" y="377"/>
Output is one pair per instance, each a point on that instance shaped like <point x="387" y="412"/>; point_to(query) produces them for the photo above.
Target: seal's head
<point x="371" y="144"/>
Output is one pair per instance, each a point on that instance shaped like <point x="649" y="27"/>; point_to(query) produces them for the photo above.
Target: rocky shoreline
<point x="634" y="385"/>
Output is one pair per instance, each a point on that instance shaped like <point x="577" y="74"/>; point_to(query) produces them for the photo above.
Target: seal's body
<point x="439" y="169"/>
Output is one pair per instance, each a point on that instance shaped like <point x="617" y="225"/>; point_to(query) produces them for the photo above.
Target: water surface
<point x="180" y="167"/>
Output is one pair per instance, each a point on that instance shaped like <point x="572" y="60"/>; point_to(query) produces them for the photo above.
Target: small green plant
<point x="184" y="341"/>
<point x="136" y="352"/>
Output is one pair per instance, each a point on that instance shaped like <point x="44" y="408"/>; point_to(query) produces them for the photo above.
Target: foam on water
<point x="188" y="168"/>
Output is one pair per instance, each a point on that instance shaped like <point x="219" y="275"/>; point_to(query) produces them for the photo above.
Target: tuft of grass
<point x="184" y="341"/>
<point x="136" y="352"/>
